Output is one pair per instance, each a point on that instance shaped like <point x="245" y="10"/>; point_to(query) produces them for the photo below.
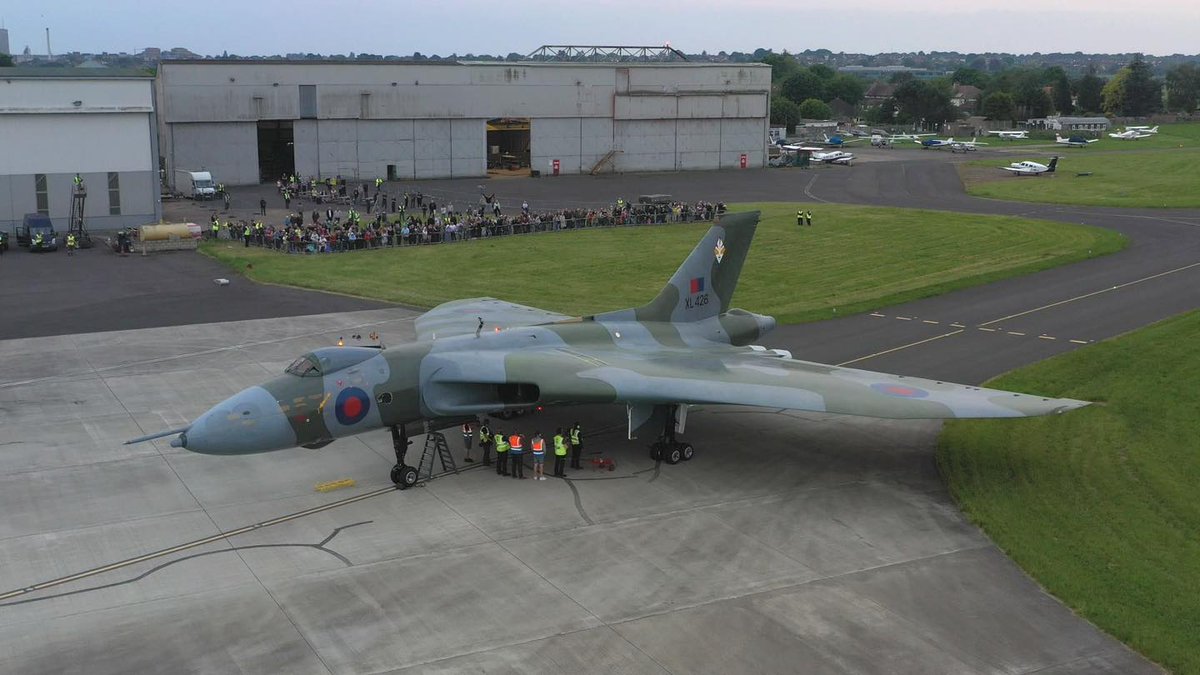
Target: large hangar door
<point x="276" y="150"/>
<point x="507" y="144"/>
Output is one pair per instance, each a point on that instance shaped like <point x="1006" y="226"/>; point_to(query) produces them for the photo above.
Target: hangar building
<point x="249" y="122"/>
<point x="56" y="122"/>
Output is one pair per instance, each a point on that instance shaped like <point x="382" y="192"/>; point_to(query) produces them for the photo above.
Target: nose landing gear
<point x="403" y="475"/>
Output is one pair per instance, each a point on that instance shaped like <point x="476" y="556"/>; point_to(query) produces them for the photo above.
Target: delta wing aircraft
<point x="1028" y="168"/>
<point x="484" y="356"/>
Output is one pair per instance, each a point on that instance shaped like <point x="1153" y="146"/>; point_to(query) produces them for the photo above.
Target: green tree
<point x="782" y="65"/>
<point x="1061" y="90"/>
<point x="878" y="114"/>
<point x="785" y="113"/>
<point x="1143" y="92"/>
<point x="6" y="61"/>
<point x="1112" y="97"/>
<point x="802" y="85"/>
<point x="815" y="109"/>
<point x="1183" y="87"/>
<point x="822" y="71"/>
<point x="923" y="102"/>
<point x="846" y="87"/>
<point x="971" y="76"/>
<point x="999" y="105"/>
<point x="1088" y="88"/>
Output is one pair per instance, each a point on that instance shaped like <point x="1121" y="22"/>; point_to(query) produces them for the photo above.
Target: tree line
<point x="1011" y="94"/>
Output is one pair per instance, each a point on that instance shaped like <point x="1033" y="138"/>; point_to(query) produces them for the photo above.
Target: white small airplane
<point x="935" y="143"/>
<point x="965" y="146"/>
<point x="881" y="141"/>
<point x="1143" y="129"/>
<point x="1028" y="168"/>
<point x="1011" y="135"/>
<point x="1074" y="141"/>
<point x="1130" y="135"/>
<point x="833" y="157"/>
<point x="908" y="137"/>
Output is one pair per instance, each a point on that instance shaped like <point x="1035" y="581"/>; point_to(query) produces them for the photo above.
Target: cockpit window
<point x="304" y="366"/>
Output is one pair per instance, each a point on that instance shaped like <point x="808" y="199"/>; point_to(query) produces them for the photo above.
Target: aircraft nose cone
<point x="247" y="422"/>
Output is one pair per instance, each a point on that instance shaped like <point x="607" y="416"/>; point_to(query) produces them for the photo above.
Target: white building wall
<point x="229" y="151"/>
<point x="559" y="138"/>
<point x="53" y="143"/>
<point x="431" y="148"/>
<point x="644" y="145"/>
<point x="468" y="148"/>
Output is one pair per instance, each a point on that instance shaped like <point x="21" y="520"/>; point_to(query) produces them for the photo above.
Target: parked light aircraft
<point x="485" y="356"/>
<point x="1011" y="135"/>
<point x="1144" y="129"/>
<point x="1028" y="168"/>
<point x="837" y="141"/>
<point x="833" y="157"/>
<point x="935" y="143"/>
<point x="909" y="137"/>
<point x="965" y="146"/>
<point x="1074" y="141"/>
<point x="1130" y="135"/>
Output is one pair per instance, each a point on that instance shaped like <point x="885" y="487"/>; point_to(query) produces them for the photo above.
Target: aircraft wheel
<point x="404" y="476"/>
<point x="656" y="451"/>
<point x="687" y="452"/>
<point x="673" y="454"/>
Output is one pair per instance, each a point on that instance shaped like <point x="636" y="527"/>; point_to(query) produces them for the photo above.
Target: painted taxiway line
<point x="962" y="327"/>
<point x="192" y="544"/>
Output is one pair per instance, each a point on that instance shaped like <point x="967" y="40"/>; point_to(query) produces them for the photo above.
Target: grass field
<point x="1157" y="172"/>
<point x="851" y="260"/>
<point x="1101" y="505"/>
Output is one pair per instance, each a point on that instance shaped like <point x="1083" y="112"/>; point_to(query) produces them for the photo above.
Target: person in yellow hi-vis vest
<point x="560" y="453"/>
<point x="501" y="454"/>
<point x="576" y="446"/>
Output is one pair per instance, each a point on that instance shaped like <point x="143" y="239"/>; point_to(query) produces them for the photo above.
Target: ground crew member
<point x="246" y="235"/>
<point x="36" y="241"/>
<point x="70" y="244"/>
<point x="538" y="445"/>
<point x="226" y="198"/>
<point x="808" y="218"/>
<point x="262" y="207"/>
<point x="517" y="452"/>
<point x="485" y="442"/>
<point x="560" y="453"/>
<point x="576" y="446"/>
<point x="78" y="182"/>
<point x="800" y="217"/>
<point x="501" y="454"/>
<point x="468" y="434"/>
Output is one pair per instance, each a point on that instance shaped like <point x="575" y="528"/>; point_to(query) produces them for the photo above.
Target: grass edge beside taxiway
<point x="1098" y="505"/>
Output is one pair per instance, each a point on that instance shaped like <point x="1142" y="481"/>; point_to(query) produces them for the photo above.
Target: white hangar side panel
<point x="646" y="145"/>
<point x="229" y="151"/>
<point x="304" y="137"/>
<point x="596" y="141"/>
<point x="468" y="148"/>
<point x="431" y="148"/>
<point x="742" y="136"/>
<point x="699" y="143"/>
<point x="551" y="139"/>
<point x="60" y="143"/>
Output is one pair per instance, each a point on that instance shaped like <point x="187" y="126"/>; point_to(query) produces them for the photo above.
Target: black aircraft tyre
<point x="404" y="476"/>
<point x="656" y="451"/>
<point x="673" y="454"/>
<point x="687" y="451"/>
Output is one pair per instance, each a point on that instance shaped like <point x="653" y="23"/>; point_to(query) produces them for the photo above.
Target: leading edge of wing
<point x="461" y="317"/>
<point x="741" y="378"/>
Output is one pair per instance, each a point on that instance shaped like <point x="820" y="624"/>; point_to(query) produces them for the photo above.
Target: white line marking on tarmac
<point x="1093" y="293"/>
<point x="1013" y="332"/>
<point x="1046" y="337"/>
<point x="896" y="349"/>
<point x="904" y="318"/>
<point x="928" y="321"/>
<point x="1080" y="342"/>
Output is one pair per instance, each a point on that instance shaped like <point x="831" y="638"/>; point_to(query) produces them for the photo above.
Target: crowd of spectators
<point x="336" y="216"/>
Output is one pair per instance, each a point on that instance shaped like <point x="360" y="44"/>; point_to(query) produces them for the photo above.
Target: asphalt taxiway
<point x="792" y="543"/>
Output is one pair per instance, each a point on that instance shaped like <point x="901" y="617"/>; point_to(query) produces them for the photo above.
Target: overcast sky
<point x="264" y="27"/>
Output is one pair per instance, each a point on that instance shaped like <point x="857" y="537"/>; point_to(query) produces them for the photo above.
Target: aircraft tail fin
<point x="703" y="285"/>
<point x="1053" y="163"/>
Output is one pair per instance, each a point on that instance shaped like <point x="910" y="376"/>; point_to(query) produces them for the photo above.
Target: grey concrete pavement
<point x="793" y="541"/>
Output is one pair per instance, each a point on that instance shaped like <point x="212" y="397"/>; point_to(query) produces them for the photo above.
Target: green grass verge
<point x="853" y="259"/>
<point x="1101" y="505"/>
<point x="1158" y="172"/>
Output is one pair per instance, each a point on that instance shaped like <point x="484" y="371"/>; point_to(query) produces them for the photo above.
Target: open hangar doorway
<point x="276" y="150"/>
<point x="508" y="145"/>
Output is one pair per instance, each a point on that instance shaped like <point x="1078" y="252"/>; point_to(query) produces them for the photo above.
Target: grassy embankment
<point x="853" y="259"/>
<point x="1101" y="506"/>
<point x="1158" y="172"/>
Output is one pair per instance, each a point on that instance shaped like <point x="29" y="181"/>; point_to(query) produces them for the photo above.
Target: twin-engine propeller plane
<point x="481" y="356"/>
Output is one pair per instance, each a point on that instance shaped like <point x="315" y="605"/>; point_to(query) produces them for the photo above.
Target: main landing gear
<point x="669" y="450"/>
<point x="403" y="475"/>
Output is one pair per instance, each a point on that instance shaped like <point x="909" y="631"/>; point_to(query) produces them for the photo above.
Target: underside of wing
<point x="462" y="317"/>
<point x="742" y="377"/>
